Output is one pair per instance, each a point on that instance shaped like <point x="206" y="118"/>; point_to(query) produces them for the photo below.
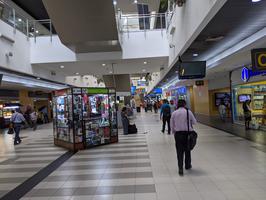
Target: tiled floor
<point x="144" y="167"/>
<point x="18" y="163"/>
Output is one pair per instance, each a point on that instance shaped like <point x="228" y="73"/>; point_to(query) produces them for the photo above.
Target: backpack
<point x="167" y="111"/>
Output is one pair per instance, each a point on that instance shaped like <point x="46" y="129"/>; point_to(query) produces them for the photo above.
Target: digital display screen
<point x="192" y="70"/>
<point x="244" y="97"/>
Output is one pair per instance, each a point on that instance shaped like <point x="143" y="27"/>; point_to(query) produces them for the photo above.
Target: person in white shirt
<point x="179" y="127"/>
<point x="17" y="119"/>
<point x="222" y="111"/>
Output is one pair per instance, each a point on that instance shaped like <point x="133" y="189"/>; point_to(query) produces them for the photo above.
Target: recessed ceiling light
<point x="255" y="1"/>
<point x="135" y="1"/>
<point x="62" y="66"/>
<point x="19" y="19"/>
<point x="36" y="31"/>
<point x="38" y="78"/>
<point x="103" y="64"/>
<point x="77" y="73"/>
<point x="115" y="2"/>
<point x="145" y="63"/>
<point x="195" y="54"/>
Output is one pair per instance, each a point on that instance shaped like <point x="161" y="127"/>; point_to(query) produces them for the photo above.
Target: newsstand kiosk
<point x="84" y="117"/>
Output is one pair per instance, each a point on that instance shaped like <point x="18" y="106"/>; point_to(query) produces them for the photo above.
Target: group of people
<point x="180" y="121"/>
<point x="18" y="119"/>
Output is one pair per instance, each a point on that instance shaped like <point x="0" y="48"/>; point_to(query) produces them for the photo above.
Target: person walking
<point x="17" y="119"/>
<point x="33" y="117"/>
<point x="222" y="111"/>
<point x="179" y="126"/>
<point x="247" y="113"/>
<point x="172" y="106"/>
<point x="165" y="116"/>
<point x="155" y="106"/>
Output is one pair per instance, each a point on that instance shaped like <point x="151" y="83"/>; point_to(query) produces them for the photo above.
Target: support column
<point x="24" y="98"/>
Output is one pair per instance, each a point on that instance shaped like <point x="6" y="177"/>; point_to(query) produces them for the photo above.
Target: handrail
<point x="18" y="20"/>
<point x="144" y="22"/>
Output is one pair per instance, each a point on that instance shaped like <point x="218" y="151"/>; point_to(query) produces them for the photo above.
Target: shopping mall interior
<point x="90" y="89"/>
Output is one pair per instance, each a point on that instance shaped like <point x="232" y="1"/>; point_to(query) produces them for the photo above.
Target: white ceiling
<point x="129" y="66"/>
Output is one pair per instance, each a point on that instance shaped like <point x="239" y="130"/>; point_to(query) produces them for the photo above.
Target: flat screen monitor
<point x="192" y="70"/>
<point x="244" y="97"/>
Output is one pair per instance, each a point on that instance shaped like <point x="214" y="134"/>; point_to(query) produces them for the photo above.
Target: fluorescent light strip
<point x="31" y="83"/>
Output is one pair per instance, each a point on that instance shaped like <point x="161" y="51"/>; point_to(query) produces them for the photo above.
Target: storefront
<point x="254" y="90"/>
<point x="85" y="117"/>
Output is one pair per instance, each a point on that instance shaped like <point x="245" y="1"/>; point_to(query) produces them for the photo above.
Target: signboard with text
<point x="258" y="59"/>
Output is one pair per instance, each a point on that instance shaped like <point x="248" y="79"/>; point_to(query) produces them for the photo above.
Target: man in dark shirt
<point x="165" y="115"/>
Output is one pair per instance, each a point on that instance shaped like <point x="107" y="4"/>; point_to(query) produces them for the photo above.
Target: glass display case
<point x="85" y="117"/>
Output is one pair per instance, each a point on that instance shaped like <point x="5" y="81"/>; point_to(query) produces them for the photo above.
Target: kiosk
<point x="84" y="117"/>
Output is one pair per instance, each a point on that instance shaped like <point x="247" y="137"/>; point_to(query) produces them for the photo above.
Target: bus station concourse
<point x="133" y="100"/>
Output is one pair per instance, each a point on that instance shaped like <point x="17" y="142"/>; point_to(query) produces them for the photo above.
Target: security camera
<point x="171" y="45"/>
<point x="180" y="3"/>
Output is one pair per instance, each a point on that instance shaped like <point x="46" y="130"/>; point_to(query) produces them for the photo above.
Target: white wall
<point x="137" y="45"/>
<point x="44" y="50"/>
<point x="145" y="44"/>
<point x="20" y="61"/>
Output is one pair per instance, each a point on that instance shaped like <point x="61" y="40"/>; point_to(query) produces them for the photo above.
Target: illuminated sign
<point x="246" y="74"/>
<point x="258" y="59"/>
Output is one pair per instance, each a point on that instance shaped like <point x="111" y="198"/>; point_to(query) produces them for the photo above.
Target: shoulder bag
<point x="192" y="135"/>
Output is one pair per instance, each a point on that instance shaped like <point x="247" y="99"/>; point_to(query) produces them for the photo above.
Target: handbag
<point x="10" y="129"/>
<point x="192" y="135"/>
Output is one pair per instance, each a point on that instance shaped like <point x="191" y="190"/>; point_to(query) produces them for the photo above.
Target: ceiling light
<point x="135" y="1"/>
<point x="115" y="2"/>
<point x="38" y="78"/>
<point x="103" y="64"/>
<point x="62" y="66"/>
<point x="77" y="73"/>
<point x="110" y="72"/>
<point x="195" y="54"/>
<point x="144" y="70"/>
<point x="36" y="31"/>
<point x="255" y="1"/>
<point x="145" y="63"/>
<point x="19" y="19"/>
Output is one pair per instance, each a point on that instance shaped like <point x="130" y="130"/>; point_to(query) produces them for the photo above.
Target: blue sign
<point x="182" y="90"/>
<point x="246" y="74"/>
<point x="133" y="89"/>
<point x="158" y="91"/>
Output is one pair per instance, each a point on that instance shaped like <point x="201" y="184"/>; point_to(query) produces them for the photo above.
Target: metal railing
<point x="134" y="22"/>
<point x="30" y="27"/>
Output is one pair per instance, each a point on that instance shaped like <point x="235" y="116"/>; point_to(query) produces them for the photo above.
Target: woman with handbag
<point x="181" y="125"/>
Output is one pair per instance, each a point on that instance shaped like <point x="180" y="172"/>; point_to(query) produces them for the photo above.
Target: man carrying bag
<point x="181" y="125"/>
